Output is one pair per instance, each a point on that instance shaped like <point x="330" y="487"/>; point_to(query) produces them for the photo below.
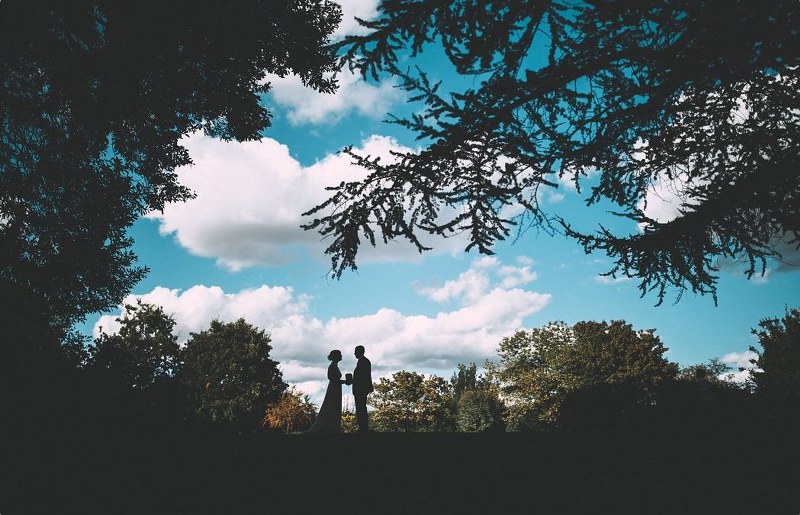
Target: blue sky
<point x="237" y="251"/>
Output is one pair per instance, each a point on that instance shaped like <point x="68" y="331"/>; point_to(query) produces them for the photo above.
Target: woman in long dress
<point x="329" y="418"/>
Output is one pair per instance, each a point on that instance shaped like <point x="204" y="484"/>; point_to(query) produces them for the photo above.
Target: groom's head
<point x="359" y="351"/>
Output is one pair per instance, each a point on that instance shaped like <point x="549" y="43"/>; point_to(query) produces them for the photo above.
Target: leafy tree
<point x="475" y="402"/>
<point x="713" y="371"/>
<point x="95" y="98"/>
<point x="409" y="401"/>
<point x="777" y="376"/>
<point x="229" y="374"/>
<point x="464" y="378"/>
<point x="478" y="411"/>
<point x="585" y="365"/>
<point x="698" y="96"/>
<point x="349" y="420"/>
<point x="528" y="377"/>
<point x="702" y="398"/>
<point x="616" y="353"/>
<point x="130" y="375"/>
<point x="143" y="352"/>
<point x="292" y="413"/>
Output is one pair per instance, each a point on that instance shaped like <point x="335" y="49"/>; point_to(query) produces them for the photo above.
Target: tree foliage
<point x="616" y="353"/>
<point x="230" y="375"/>
<point x="94" y="98"/>
<point x="587" y="364"/>
<point x="143" y="352"/>
<point x="698" y="96"/>
<point x="293" y="412"/>
<point x="528" y="376"/>
<point x="478" y="411"/>
<point x="476" y="404"/>
<point x="349" y="419"/>
<point x="714" y="371"/>
<point x="777" y="376"/>
<point x="465" y="378"/>
<point x="409" y="401"/>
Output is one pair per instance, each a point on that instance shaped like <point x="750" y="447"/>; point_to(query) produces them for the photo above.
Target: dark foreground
<point x="736" y="472"/>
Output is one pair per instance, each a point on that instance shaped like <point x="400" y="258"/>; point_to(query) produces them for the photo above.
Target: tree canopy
<point x="95" y="96"/>
<point x="293" y="412"/>
<point x="777" y="376"/>
<point x="539" y="370"/>
<point x="230" y="375"/>
<point x="409" y="401"/>
<point x="476" y="404"/>
<point x="143" y="352"/>
<point x="625" y="97"/>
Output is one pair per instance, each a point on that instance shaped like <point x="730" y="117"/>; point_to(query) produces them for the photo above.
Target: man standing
<point x="362" y="386"/>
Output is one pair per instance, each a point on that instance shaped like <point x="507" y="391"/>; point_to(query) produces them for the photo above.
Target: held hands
<point x="348" y="379"/>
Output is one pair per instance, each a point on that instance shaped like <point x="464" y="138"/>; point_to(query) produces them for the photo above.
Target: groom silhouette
<point x="362" y="386"/>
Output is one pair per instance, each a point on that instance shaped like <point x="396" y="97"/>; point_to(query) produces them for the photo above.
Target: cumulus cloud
<point x="666" y="197"/>
<point x="571" y="174"/>
<point x="354" y="96"/>
<point x="352" y="9"/>
<point x="555" y="198"/>
<point x="250" y="197"/>
<point x="739" y="360"/>
<point x="789" y="261"/>
<point x="607" y="279"/>
<point x="790" y="254"/>
<point x="663" y="200"/>
<point x="486" y="311"/>
<point x="740" y="363"/>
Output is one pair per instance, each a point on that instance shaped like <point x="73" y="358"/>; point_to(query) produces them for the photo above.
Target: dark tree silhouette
<point x="132" y="372"/>
<point x="230" y="376"/>
<point x="699" y="96"/>
<point x="143" y="352"/>
<point x="94" y="98"/>
<point x="479" y="411"/>
<point x="596" y="368"/>
<point x="777" y="376"/>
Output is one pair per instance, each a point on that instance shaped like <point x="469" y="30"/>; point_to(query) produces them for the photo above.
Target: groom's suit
<point x="362" y="386"/>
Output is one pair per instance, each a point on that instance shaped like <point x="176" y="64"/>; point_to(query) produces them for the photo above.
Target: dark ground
<point x="736" y="472"/>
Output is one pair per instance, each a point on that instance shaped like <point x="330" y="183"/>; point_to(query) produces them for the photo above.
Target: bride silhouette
<point x="329" y="419"/>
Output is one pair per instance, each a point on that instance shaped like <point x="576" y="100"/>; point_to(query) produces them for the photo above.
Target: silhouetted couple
<point x="329" y="419"/>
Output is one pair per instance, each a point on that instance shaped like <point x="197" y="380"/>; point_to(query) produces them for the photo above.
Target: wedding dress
<point x="329" y="419"/>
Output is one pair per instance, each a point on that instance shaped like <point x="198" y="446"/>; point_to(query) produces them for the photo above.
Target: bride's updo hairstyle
<point x="335" y="353"/>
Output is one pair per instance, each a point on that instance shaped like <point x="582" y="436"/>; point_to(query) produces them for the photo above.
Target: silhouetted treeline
<point x="586" y="377"/>
<point x="140" y="379"/>
<point x="597" y="377"/>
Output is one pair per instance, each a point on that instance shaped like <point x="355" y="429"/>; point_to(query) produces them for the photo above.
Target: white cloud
<point x="666" y="197"/>
<point x="789" y="261"/>
<point x="517" y="276"/>
<point x="277" y="307"/>
<point x="469" y="285"/>
<point x="474" y="283"/>
<point x="250" y="197"/>
<point x="790" y="254"/>
<point x="567" y="178"/>
<point x="394" y="340"/>
<point x="555" y="198"/>
<point x="738" y="361"/>
<point x="607" y="279"/>
<point x="759" y="278"/>
<point x="355" y="95"/>
<point x="352" y="9"/>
